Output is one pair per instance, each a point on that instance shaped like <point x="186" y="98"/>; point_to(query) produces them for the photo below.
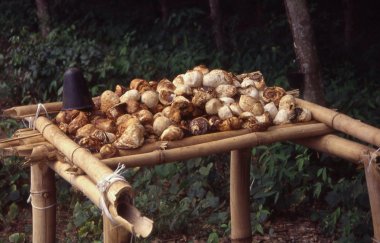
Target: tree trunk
<point x="305" y="49"/>
<point x="164" y="9"/>
<point x="217" y="23"/>
<point x="43" y="16"/>
<point x="348" y="6"/>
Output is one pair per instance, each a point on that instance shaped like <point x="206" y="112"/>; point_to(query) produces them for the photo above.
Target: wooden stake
<point x="114" y="233"/>
<point x="343" y="123"/>
<point x="239" y="196"/>
<point x="43" y="200"/>
<point x="372" y="176"/>
<point x="219" y="146"/>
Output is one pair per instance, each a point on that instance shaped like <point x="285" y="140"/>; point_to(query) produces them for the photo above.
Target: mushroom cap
<point x="193" y="78"/>
<point x="248" y="103"/>
<point x="108" y="151"/>
<point x="198" y="126"/>
<point x="183" y="89"/>
<point x="202" y="68"/>
<point x="172" y="133"/>
<point x="132" y="106"/>
<point x="130" y="95"/>
<point x="160" y="124"/>
<point x="227" y="100"/>
<point x="201" y="97"/>
<point x="272" y="109"/>
<point x="282" y="117"/>
<point x="178" y="80"/>
<point x="79" y="121"/>
<point x="212" y="106"/>
<point x="217" y="77"/>
<point x="150" y="98"/>
<point x="85" y="131"/>
<point x="226" y="90"/>
<point x="165" y="84"/>
<point x="287" y="102"/>
<point x="236" y="109"/>
<point x="144" y="116"/>
<point x="132" y="137"/>
<point x="225" y="112"/>
<point x="120" y="90"/>
<point x="107" y="100"/>
<point x="273" y="94"/>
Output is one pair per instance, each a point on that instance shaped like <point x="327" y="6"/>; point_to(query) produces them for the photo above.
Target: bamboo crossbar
<point x="219" y="146"/>
<point x="125" y="214"/>
<point x="343" y="123"/>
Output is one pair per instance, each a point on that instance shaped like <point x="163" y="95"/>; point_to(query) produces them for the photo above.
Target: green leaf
<point x="17" y="238"/>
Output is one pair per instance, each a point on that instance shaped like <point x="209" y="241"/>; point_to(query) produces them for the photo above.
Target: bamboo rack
<point x="49" y="143"/>
<point x="219" y="146"/>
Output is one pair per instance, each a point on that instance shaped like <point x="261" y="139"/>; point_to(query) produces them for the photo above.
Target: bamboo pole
<point x="337" y="146"/>
<point x="82" y="158"/>
<point x="372" y="175"/>
<point x="126" y="215"/>
<point x="219" y="146"/>
<point x="21" y="150"/>
<point x="43" y="200"/>
<point x="114" y="233"/>
<point x="239" y="196"/>
<point x="30" y="110"/>
<point x="343" y="123"/>
<point x="189" y="141"/>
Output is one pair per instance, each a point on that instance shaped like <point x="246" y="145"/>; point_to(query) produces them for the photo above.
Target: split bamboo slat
<point x="219" y="146"/>
<point x="30" y="110"/>
<point x="43" y="200"/>
<point x="239" y="196"/>
<point x="343" y="123"/>
<point x="126" y="215"/>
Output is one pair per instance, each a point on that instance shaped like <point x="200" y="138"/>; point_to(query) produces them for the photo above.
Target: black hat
<point x="75" y="91"/>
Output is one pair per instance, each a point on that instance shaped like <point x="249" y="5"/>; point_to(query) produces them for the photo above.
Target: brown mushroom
<point x="198" y="126"/>
<point x="108" y="151"/>
<point x="132" y="137"/>
<point x="108" y="99"/>
<point x="172" y="133"/>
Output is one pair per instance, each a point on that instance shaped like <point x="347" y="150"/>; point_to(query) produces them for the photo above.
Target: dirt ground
<point x="284" y="230"/>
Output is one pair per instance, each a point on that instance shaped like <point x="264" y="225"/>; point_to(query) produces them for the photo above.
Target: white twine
<point x="103" y="186"/>
<point x="29" y="200"/>
<point x="31" y="120"/>
<point x="372" y="157"/>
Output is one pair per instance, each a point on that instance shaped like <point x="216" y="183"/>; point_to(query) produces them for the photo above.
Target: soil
<point x="283" y="229"/>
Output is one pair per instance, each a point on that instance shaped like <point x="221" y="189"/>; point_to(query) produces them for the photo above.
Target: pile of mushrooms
<point x="197" y="102"/>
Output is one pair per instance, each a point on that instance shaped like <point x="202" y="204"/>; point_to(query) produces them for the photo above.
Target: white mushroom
<point x="212" y="106"/>
<point x="282" y="117"/>
<point x="193" y="78"/>
<point x="150" y="98"/>
<point x="226" y="90"/>
<point x="130" y="95"/>
<point x="225" y="112"/>
<point x="217" y="77"/>
<point x="271" y="109"/>
<point x="183" y="89"/>
<point x="236" y="109"/>
<point x="227" y="100"/>
<point x="160" y="124"/>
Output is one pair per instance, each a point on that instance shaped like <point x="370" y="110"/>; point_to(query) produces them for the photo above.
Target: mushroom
<point x="89" y="143"/>
<point x="271" y="109"/>
<point x="153" y="84"/>
<point x="183" y="105"/>
<point x="178" y="80"/>
<point x="160" y="124"/>
<point x="202" y="68"/>
<point x="287" y="102"/>
<point x="273" y="94"/>
<point x="122" y="119"/>
<point x="303" y="115"/>
<point x="212" y="106"/>
<point x="115" y="111"/>
<point x="120" y="90"/>
<point x="183" y="89"/>
<point x="172" y="133"/>
<point x="165" y="84"/>
<point x="199" y="126"/>
<point x="245" y="115"/>
<point x="193" y="78"/>
<point x="264" y="118"/>
<point x="140" y="85"/>
<point x="144" y="116"/>
<point x="61" y="117"/>
<point x="226" y="90"/>
<point x="132" y="137"/>
<point x="213" y="123"/>
<point x="150" y="99"/>
<point x="250" y="91"/>
<point x="257" y="77"/>
<point x="217" y="77"/>
<point x="105" y="124"/>
<point x="201" y="97"/>
<point x="64" y="127"/>
<point x="232" y="123"/>
<point x="79" y="121"/>
<point x="166" y="96"/>
<point x="282" y="117"/>
<point x="225" y="112"/>
<point x="107" y="100"/>
<point x="248" y="103"/>
<point x="85" y="131"/>
<point x="124" y="125"/>
<point x="236" y="109"/>
<point x="227" y="100"/>
<point x="102" y="136"/>
<point x="108" y="151"/>
<point x="132" y="106"/>
<point x="130" y="95"/>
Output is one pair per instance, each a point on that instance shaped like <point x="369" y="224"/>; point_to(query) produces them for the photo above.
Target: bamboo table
<point x="48" y="146"/>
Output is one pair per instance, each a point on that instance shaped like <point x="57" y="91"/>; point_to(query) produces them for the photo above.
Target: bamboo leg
<point x="43" y="200"/>
<point x="373" y="184"/>
<point x="239" y="196"/>
<point x="114" y="233"/>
